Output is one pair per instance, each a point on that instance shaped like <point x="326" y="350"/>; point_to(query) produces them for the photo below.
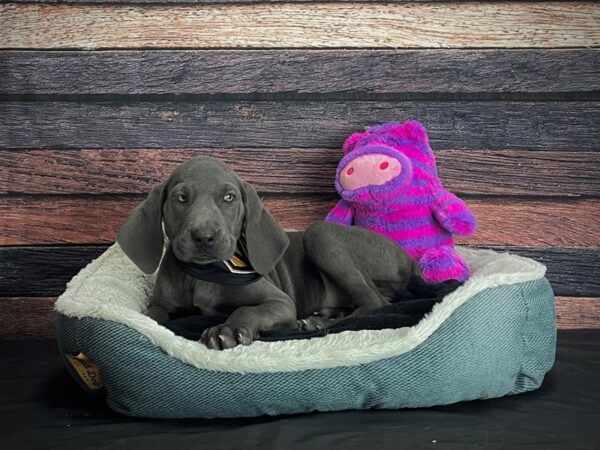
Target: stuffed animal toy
<point x="388" y="183"/>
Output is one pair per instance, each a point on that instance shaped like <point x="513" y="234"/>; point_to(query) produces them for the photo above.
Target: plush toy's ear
<point x="351" y="141"/>
<point x="141" y="236"/>
<point x="412" y="130"/>
<point x="266" y="241"/>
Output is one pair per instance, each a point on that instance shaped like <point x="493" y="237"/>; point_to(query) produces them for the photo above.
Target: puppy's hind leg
<point x="333" y="259"/>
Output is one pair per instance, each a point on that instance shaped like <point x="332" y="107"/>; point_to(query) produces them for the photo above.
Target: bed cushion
<point x="494" y="336"/>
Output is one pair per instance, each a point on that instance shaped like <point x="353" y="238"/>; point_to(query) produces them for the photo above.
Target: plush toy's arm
<point x="341" y="213"/>
<point x="454" y="214"/>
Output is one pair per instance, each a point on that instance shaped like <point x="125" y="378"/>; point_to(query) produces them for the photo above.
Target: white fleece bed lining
<point x="113" y="288"/>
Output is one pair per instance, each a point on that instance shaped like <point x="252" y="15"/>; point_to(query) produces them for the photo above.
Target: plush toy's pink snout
<point x="371" y="169"/>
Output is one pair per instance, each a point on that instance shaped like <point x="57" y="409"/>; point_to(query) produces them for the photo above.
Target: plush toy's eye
<point x="229" y="198"/>
<point x="182" y="198"/>
<point x="350" y="171"/>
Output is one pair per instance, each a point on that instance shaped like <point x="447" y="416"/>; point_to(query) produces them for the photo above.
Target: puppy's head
<point x="206" y="209"/>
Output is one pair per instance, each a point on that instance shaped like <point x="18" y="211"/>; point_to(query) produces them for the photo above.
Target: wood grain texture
<point x="573" y="223"/>
<point x="90" y="220"/>
<point x="218" y="2"/>
<point x="44" y="271"/>
<point x="299" y="71"/>
<point x="577" y="312"/>
<point x="307" y="171"/>
<point x="41" y="271"/>
<point x="83" y="135"/>
<point x="512" y="172"/>
<point x="451" y="125"/>
<point x="504" y="24"/>
<point x="34" y="317"/>
<point x="27" y="318"/>
<point x="572" y="271"/>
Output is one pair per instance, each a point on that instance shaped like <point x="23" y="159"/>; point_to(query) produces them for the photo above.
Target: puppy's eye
<point x="182" y="198"/>
<point x="229" y="198"/>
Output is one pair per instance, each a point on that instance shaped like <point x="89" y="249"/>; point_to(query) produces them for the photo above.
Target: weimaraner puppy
<point x="225" y="254"/>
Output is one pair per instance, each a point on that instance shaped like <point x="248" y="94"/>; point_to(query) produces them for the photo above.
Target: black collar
<point x="237" y="270"/>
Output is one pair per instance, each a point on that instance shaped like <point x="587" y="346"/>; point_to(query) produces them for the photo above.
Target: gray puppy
<point x="226" y="254"/>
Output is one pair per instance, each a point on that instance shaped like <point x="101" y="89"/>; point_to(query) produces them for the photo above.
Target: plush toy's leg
<point x="443" y="263"/>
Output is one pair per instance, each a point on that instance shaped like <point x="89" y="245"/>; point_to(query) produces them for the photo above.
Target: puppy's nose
<point x="204" y="238"/>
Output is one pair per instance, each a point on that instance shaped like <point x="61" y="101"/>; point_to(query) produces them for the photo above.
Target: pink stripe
<point x="403" y="192"/>
<point x="418" y="211"/>
<point x="410" y="151"/>
<point x="455" y="272"/>
<point x="394" y="210"/>
<point x="414" y="233"/>
<point x="363" y="196"/>
<point x="403" y="215"/>
<point x="338" y="211"/>
<point x="444" y="199"/>
<point x="408" y="193"/>
<point x="456" y="208"/>
<point x="420" y="250"/>
<point x="413" y="152"/>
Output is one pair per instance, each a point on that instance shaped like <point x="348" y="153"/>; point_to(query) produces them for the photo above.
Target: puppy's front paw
<point x="223" y="337"/>
<point x="314" y="323"/>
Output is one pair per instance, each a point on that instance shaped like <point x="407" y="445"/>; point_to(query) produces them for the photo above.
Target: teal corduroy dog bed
<point x="494" y="336"/>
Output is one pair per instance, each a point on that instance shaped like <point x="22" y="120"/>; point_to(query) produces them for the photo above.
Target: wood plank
<point x="27" y="318"/>
<point x="96" y="221"/>
<point x="61" y="220"/>
<point x="451" y="125"/>
<point x="217" y="72"/>
<point x="512" y="172"/>
<point x="34" y="317"/>
<point x="158" y="2"/>
<point x="578" y="312"/>
<point x="44" y="271"/>
<point x="572" y="271"/>
<point x="135" y="171"/>
<point x="289" y="25"/>
<point x="41" y="271"/>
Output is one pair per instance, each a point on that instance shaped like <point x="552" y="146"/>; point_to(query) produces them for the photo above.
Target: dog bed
<point x="494" y="336"/>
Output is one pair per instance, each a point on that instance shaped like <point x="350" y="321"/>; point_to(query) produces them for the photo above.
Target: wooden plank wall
<point x="100" y="99"/>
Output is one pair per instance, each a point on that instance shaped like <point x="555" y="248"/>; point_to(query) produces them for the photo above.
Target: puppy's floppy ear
<point x="141" y="236"/>
<point x="266" y="241"/>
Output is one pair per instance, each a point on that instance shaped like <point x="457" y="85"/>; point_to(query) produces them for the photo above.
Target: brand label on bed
<point x="87" y="369"/>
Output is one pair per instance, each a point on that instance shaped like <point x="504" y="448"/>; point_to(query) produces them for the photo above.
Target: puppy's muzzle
<point x="204" y="238"/>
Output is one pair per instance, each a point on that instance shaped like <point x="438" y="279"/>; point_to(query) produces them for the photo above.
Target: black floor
<point x="41" y="407"/>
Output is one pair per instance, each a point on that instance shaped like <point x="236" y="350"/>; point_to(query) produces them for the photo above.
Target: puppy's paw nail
<point x="243" y="336"/>
<point x="221" y="337"/>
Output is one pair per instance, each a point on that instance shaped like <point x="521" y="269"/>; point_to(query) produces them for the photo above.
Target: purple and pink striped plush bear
<point x="388" y="183"/>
